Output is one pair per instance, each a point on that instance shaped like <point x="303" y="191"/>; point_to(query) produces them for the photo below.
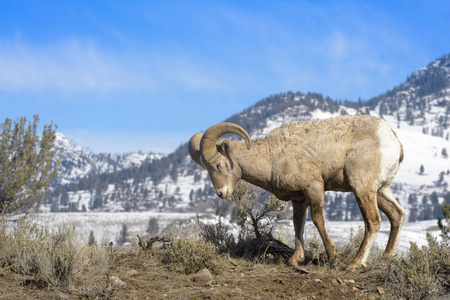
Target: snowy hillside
<point x="77" y="162"/>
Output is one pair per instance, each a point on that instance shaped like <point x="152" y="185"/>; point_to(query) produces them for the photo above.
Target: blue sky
<point x="118" y="76"/>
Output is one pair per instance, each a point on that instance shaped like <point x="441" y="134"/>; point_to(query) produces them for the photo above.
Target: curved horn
<point x="194" y="147"/>
<point x="208" y="146"/>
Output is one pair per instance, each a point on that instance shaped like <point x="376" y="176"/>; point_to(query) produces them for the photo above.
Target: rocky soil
<point x="137" y="275"/>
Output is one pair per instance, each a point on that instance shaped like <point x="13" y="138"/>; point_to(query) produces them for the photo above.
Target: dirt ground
<point x="144" y="276"/>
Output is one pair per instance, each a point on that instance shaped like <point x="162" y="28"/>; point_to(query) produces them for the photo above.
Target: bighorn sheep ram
<point x="299" y="161"/>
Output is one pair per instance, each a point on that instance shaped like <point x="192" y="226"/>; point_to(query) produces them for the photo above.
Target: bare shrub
<point x="146" y="243"/>
<point x="257" y="212"/>
<point x="314" y="251"/>
<point x="180" y="228"/>
<point x="220" y="237"/>
<point x="190" y="254"/>
<point x="349" y="250"/>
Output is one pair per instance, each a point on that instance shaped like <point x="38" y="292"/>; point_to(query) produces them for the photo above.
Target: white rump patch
<point x="390" y="148"/>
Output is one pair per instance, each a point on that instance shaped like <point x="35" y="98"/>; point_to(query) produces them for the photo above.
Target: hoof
<point x="292" y="262"/>
<point x="384" y="259"/>
<point x="352" y="266"/>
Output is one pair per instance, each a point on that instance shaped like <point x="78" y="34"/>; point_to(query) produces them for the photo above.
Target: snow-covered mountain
<point x="418" y="110"/>
<point x="77" y="162"/>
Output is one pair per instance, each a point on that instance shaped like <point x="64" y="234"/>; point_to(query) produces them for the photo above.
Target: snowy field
<point x="107" y="226"/>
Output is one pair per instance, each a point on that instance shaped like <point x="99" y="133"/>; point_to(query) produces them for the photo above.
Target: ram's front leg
<point x="315" y="194"/>
<point x="300" y="207"/>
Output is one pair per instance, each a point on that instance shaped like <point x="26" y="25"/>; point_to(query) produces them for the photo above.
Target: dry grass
<point x="39" y="263"/>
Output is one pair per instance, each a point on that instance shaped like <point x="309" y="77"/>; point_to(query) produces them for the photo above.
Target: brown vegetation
<point x="39" y="263"/>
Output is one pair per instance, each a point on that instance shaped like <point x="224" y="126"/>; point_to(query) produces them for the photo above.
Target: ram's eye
<point x="218" y="166"/>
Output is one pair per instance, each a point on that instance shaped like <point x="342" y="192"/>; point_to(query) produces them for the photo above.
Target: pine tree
<point x="412" y="199"/>
<point x="153" y="227"/>
<point x="434" y="198"/>
<point x="91" y="239"/>
<point x="123" y="236"/>
<point x="26" y="164"/>
<point x="428" y="213"/>
<point x="413" y="215"/>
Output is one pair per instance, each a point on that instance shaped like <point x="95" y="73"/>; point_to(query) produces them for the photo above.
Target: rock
<point x="351" y="281"/>
<point x="380" y="290"/>
<point x="318" y="280"/>
<point x="334" y="282"/>
<point x="303" y="270"/>
<point x="131" y="273"/>
<point x="116" y="282"/>
<point x="340" y="281"/>
<point x="234" y="263"/>
<point x="209" y="283"/>
<point x="278" y="281"/>
<point x="204" y="275"/>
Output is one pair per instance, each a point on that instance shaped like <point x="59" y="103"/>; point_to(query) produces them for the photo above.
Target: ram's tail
<point x="401" y="148"/>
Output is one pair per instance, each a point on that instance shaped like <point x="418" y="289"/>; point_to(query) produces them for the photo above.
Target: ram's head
<point x="218" y="156"/>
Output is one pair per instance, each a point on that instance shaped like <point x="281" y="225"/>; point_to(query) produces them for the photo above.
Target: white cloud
<point x="345" y="51"/>
<point x="83" y="66"/>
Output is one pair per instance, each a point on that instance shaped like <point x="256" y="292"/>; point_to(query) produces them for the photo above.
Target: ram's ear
<point x="224" y="147"/>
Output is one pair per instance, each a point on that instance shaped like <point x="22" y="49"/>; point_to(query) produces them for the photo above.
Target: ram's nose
<point x="222" y="193"/>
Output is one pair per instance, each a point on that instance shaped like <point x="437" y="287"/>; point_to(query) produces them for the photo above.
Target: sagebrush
<point x="423" y="273"/>
<point x="190" y="254"/>
<point x="52" y="258"/>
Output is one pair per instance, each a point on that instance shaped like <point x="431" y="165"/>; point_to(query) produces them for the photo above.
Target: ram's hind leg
<point x="396" y="215"/>
<point x="300" y="207"/>
<point x="367" y="201"/>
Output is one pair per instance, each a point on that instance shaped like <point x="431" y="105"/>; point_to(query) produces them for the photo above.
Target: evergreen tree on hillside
<point x="153" y="227"/>
<point x="25" y="164"/>
<point x="123" y="235"/>
<point x="91" y="239"/>
<point x="444" y="153"/>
